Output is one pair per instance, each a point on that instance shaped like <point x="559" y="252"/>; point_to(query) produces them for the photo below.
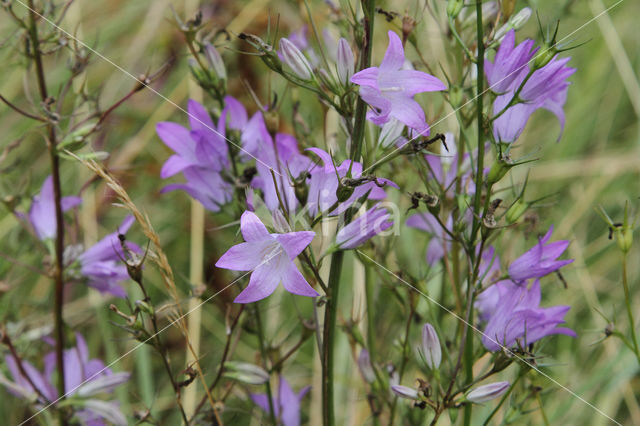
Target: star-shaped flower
<point x="270" y="258"/>
<point x="390" y="88"/>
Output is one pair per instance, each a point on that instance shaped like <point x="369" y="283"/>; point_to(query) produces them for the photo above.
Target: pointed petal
<point x="174" y="165"/>
<point x="264" y="280"/>
<point x="294" y="282"/>
<point x="199" y="118"/>
<point x="177" y="138"/>
<point x="243" y="256"/>
<point x="366" y="77"/>
<point x="394" y="56"/>
<point x="252" y="228"/>
<point x="295" y="242"/>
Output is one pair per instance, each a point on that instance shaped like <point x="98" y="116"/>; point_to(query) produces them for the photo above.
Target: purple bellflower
<point x="101" y="264"/>
<point x="390" y="89"/>
<point x="363" y="228"/>
<point x="201" y="156"/>
<point x="540" y="259"/>
<point x="84" y="378"/>
<point x="546" y="87"/>
<point x="286" y="405"/>
<point x="512" y="314"/>
<point x="487" y="392"/>
<point x="285" y="160"/>
<point x="324" y="183"/>
<point x="42" y="214"/>
<point x="270" y="258"/>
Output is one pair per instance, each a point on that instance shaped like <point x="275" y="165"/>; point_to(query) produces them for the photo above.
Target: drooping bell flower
<point x="42" y="214"/>
<point x="389" y="89"/>
<point x="363" y="228"/>
<point x="102" y="264"/>
<point x="513" y="315"/>
<point x="324" y="182"/>
<point x="84" y="378"/>
<point x="270" y="258"/>
<point x="540" y="259"/>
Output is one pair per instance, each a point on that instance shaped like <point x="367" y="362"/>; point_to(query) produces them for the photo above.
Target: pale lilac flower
<point x="510" y="65"/>
<point x="363" y="228"/>
<point x="201" y="156"/>
<point x="286" y="405"/>
<point x="84" y="378"/>
<point x="431" y="347"/>
<point x="390" y="89"/>
<point x="546" y="88"/>
<point x="540" y="259"/>
<point x="487" y="392"/>
<point x="101" y="265"/>
<point x="42" y="214"/>
<point x="203" y="146"/>
<point x="270" y="258"/>
<point x="285" y="160"/>
<point x="513" y="315"/>
<point x="324" y="183"/>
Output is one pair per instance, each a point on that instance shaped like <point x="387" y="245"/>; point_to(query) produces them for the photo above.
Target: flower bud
<point x="431" y="347"/>
<point x="516" y="22"/>
<point x="215" y="60"/>
<point x="455" y="96"/>
<point x="516" y="210"/>
<point x="246" y="373"/>
<point x="488" y="392"/>
<point x="454" y="7"/>
<point x="405" y="392"/>
<point x="365" y="367"/>
<point x="345" y="62"/>
<point x="295" y="59"/>
<point x="497" y="171"/>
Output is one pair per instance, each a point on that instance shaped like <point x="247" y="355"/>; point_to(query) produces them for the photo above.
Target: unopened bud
<point x="497" y="171"/>
<point x="431" y="347"/>
<point x="405" y="392"/>
<point x="295" y="59"/>
<point x="215" y="60"/>
<point x="516" y="210"/>
<point x="246" y="373"/>
<point x="454" y="7"/>
<point x="516" y="22"/>
<point x="345" y="62"/>
<point x="366" y="369"/>
<point x="488" y="392"/>
<point x="455" y="96"/>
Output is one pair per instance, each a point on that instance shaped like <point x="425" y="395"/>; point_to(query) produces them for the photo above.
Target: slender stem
<point x="330" y="315"/>
<point x="479" y="108"/>
<point x="370" y="285"/>
<point x="627" y="297"/>
<point x="263" y="352"/>
<point x="365" y="62"/>
<point x="477" y="220"/>
<point x="20" y="111"/>
<point x="57" y="193"/>
<point x="403" y="361"/>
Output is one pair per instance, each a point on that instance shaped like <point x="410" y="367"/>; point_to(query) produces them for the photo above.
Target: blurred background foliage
<point x="595" y="163"/>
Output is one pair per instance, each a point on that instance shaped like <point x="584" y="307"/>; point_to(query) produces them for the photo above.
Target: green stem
<point x="369" y="8"/>
<point x="477" y="220"/>
<point x="263" y="352"/>
<point x="370" y="285"/>
<point x="479" y="107"/>
<point x="57" y="191"/>
<point x="627" y="298"/>
<point x="330" y="315"/>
